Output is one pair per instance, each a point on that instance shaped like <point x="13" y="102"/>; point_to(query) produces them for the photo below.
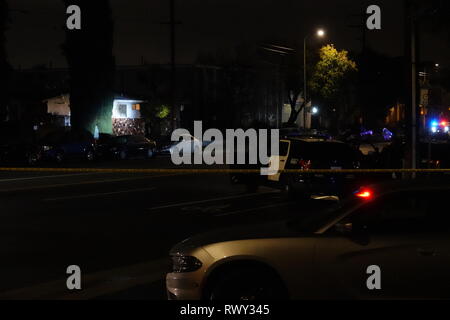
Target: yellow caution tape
<point x="194" y="171"/>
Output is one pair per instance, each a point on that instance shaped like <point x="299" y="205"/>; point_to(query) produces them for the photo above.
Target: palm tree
<point x="92" y="66"/>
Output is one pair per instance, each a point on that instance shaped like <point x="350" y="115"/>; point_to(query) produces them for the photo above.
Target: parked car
<point x="305" y="154"/>
<point x="399" y="227"/>
<point x="19" y="151"/>
<point x="187" y="143"/>
<point x="64" y="145"/>
<point x="103" y="145"/>
<point x="125" y="147"/>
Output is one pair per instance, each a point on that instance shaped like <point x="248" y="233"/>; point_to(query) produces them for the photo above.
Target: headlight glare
<point x="185" y="264"/>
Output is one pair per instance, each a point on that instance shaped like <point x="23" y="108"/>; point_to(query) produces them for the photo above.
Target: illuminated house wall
<point x="126" y="117"/>
<point x="59" y="107"/>
<point x="126" y="114"/>
<point x="126" y="109"/>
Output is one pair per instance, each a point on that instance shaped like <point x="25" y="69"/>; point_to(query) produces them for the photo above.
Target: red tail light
<point x="365" y="193"/>
<point x="305" y="164"/>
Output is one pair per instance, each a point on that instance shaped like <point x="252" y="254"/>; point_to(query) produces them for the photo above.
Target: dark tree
<point x="380" y="86"/>
<point x="5" y="68"/>
<point x="92" y="66"/>
<point x="293" y="81"/>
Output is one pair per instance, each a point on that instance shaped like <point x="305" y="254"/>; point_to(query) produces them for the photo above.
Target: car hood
<point x="261" y="231"/>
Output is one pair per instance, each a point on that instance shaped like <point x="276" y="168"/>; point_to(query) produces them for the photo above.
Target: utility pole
<point x="411" y="50"/>
<point x="362" y="27"/>
<point x="173" y="68"/>
<point x="305" y="86"/>
<point x="173" y="77"/>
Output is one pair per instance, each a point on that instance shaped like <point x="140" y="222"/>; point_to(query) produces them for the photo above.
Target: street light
<point x="320" y="33"/>
<point x="315" y="110"/>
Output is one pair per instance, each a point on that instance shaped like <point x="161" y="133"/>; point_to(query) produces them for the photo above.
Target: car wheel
<point x="90" y="156"/>
<point x="123" y="155"/>
<point x="287" y="186"/>
<point x="150" y="153"/>
<point x="59" y="157"/>
<point x="247" y="285"/>
<point x="32" y="159"/>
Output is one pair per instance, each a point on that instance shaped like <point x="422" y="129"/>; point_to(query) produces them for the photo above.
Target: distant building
<point x="222" y="97"/>
<point x="126" y="114"/>
<point x="59" y="108"/>
<point x="396" y="115"/>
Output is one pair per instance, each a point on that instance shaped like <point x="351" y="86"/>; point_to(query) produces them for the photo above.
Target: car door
<point x="132" y="146"/>
<point x="387" y="233"/>
<point x="437" y="249"/>
<point x="68" y="144"/>
<point x="282" y="158"/>
<point x="141" y="145"/>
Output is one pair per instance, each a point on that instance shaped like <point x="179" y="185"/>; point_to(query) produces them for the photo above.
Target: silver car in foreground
<point x="389" y="241"/>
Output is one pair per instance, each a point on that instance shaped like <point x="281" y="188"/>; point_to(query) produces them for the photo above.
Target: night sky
<point x="35" y="36"/>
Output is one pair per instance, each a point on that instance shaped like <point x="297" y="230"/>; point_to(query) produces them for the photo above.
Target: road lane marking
<point x="96" y="284"/>
<point x="181" y="204"/>
<point x="253" y="209"/>
<point x="52" y="186"/>
<point x="98" y="194"/>
<point x="49" y="177"/>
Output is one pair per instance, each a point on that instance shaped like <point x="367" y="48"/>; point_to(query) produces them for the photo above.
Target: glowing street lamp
<point x="320" y="33"/>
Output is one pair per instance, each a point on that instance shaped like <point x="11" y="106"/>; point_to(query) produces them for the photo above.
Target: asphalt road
<point x="118" y="228"/>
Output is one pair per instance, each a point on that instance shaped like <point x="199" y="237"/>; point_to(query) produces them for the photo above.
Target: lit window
<point x="137" y="107"/>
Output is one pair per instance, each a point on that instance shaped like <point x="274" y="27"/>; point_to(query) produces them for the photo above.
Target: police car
<point x="304" y="154"/>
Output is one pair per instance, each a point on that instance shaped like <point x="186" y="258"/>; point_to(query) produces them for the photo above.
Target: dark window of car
<point x="322" y="150"/>
<point x="140" y="139"/>
<point x="284" y="148"/>
<point x="121" y="140"/>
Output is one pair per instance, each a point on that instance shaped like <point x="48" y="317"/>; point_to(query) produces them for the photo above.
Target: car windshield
<point x="322" y="150"/>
